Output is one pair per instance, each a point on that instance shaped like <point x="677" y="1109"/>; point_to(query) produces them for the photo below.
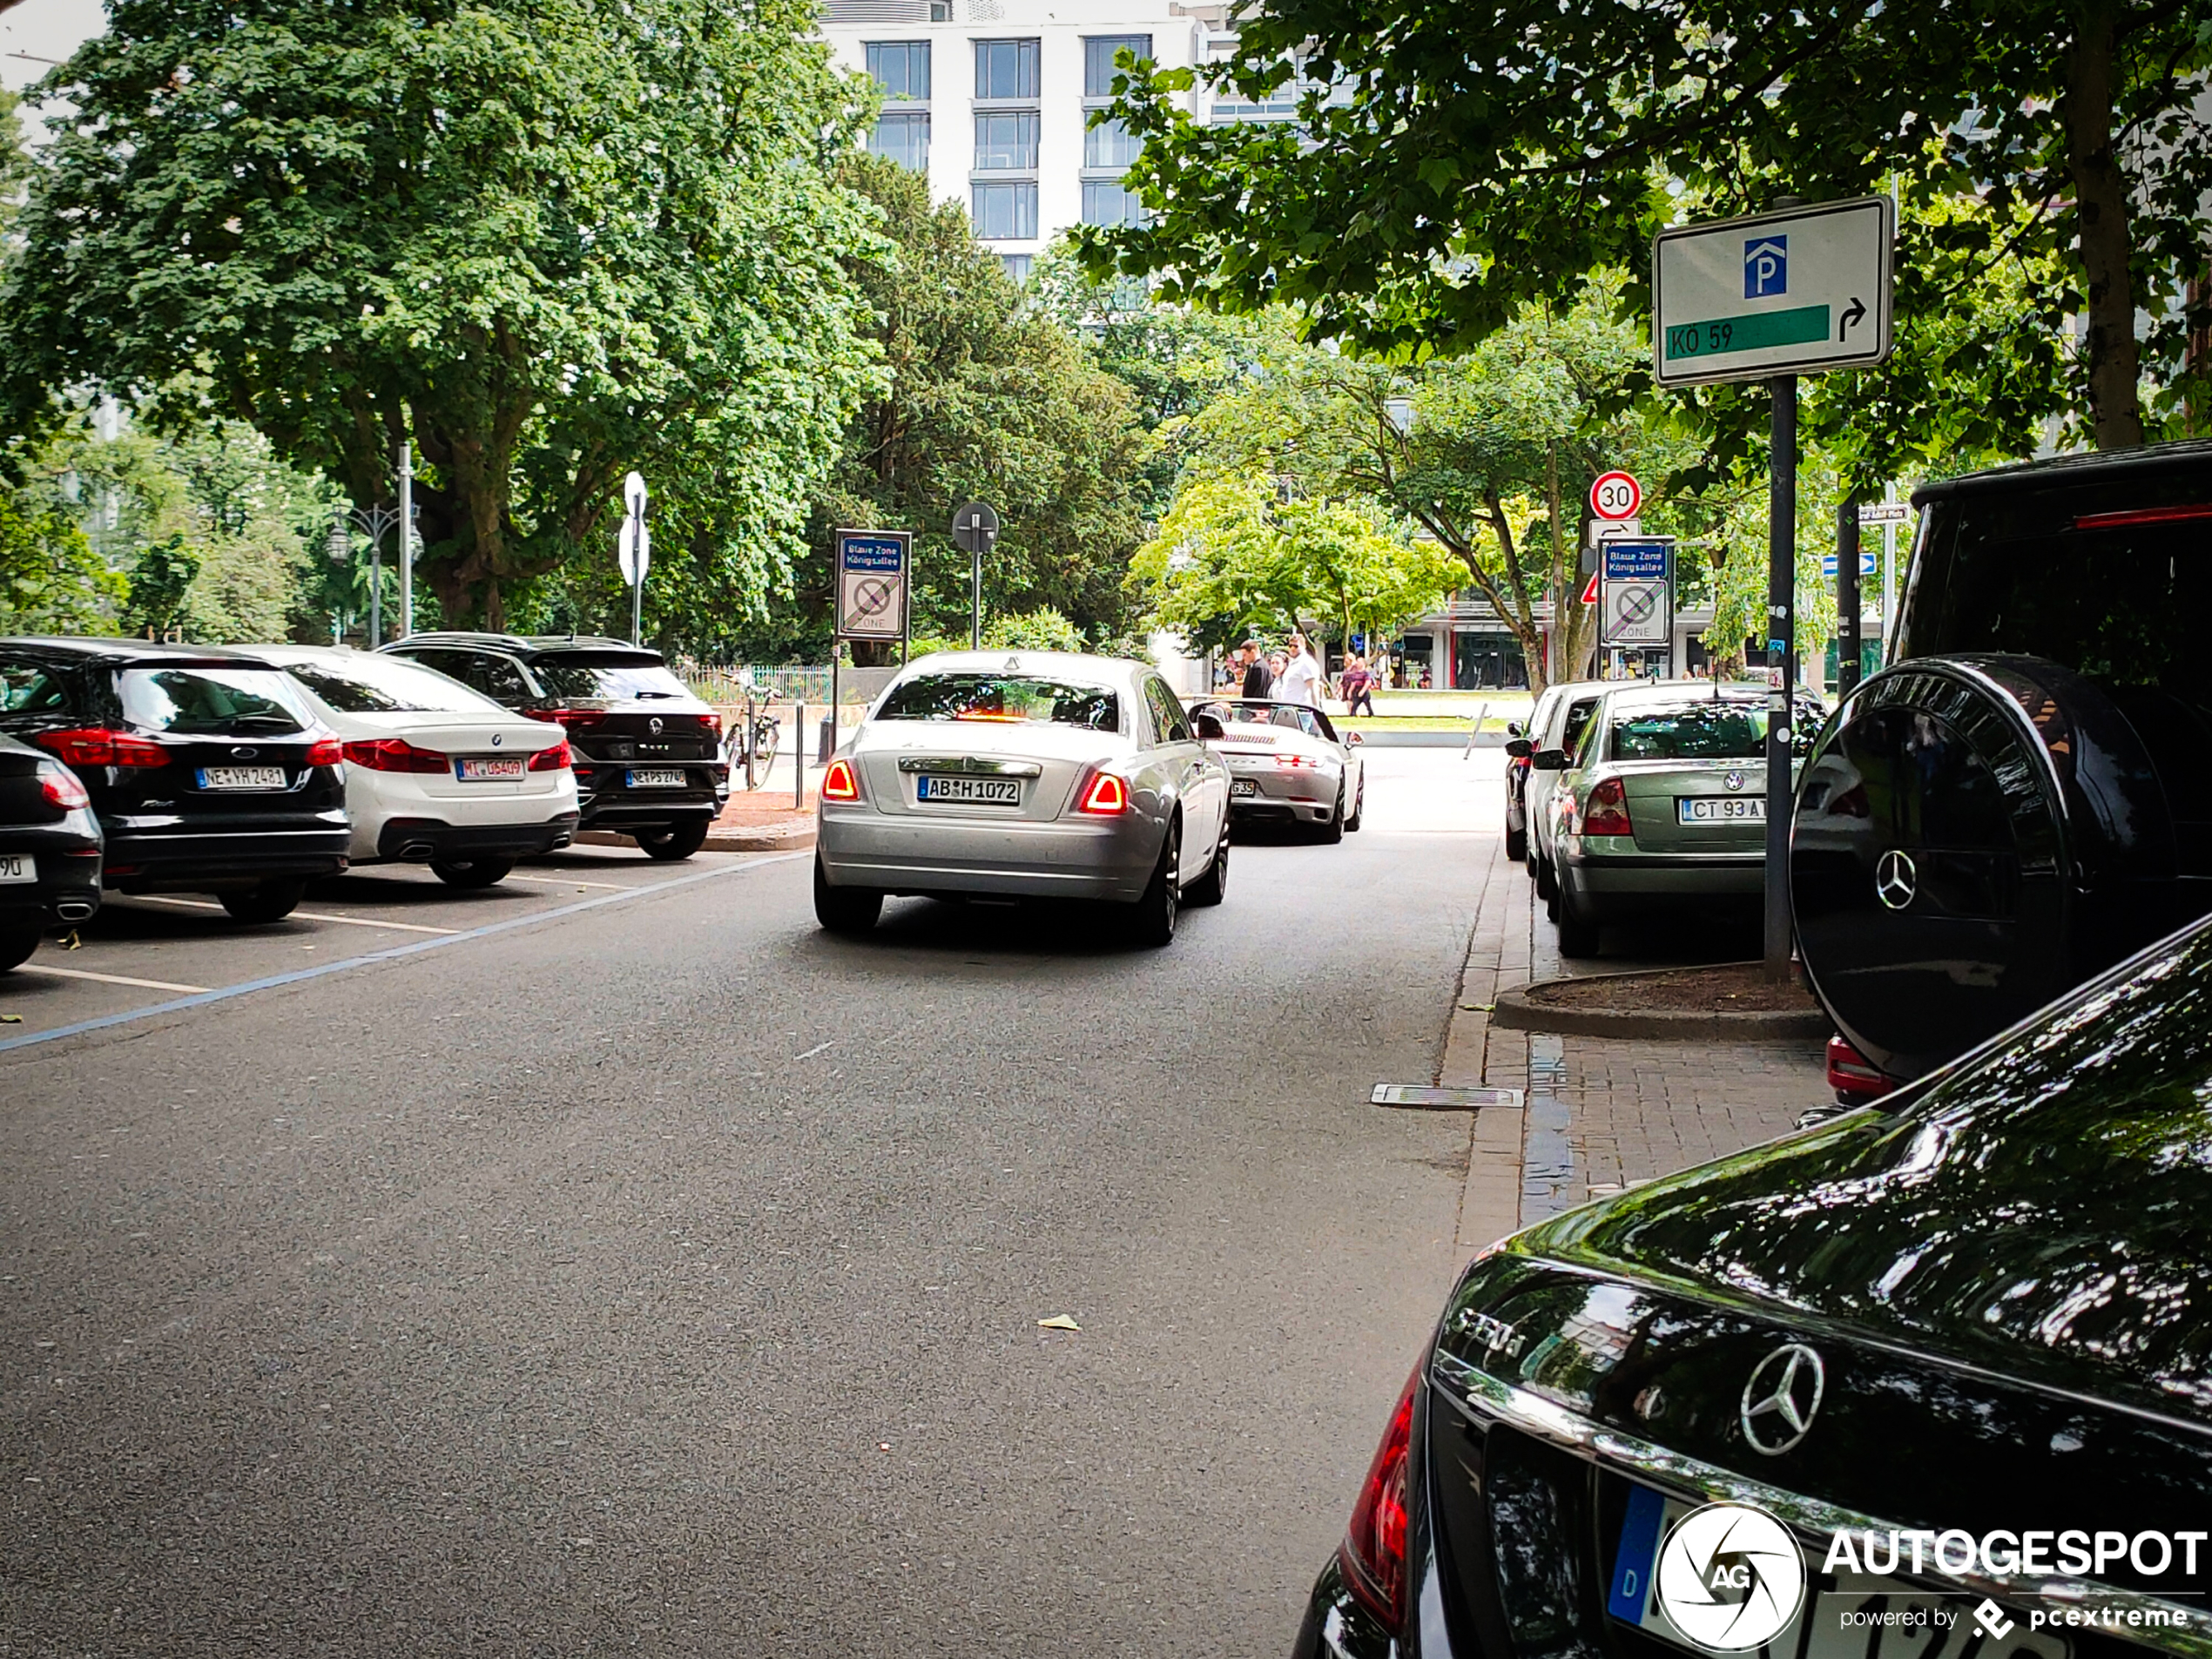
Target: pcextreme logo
<point x="1730" y="1577"/>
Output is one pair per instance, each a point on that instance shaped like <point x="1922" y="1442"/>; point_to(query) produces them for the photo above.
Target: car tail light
<point x="1851" y="1073"/>
<point x="59" y="785"/>
<point x="326" y="752"/>
<point x="710" y="726"/>
<point x="1106" y="797"/>
<point x="559" y="758"/>
<point x="1606" y="811"/>
<point x="1373" y="1555"/>
<point x="568" y="719"/>
<point x="838" y="783"/>
<point x="1295" y="761"/>
<point x="395" y="754"/>
<point x="97" y="746"/>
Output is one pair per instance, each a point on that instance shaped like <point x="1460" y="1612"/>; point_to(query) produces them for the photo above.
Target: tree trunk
<point x="1554" y="667"/>
<point x="2100" y="207"/>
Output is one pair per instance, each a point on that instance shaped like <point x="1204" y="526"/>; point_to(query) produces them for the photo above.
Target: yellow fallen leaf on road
<point x="1058" y="1322"/>
<point x="10" y="1019"/>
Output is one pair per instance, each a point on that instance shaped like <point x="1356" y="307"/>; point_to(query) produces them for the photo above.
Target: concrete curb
<point x="793" y="836"/>
<point x="1428" y="739"/>
<point x="1522" y="1010"/>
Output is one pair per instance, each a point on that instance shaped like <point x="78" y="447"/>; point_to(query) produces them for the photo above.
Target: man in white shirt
<point x="1301" y="681"/>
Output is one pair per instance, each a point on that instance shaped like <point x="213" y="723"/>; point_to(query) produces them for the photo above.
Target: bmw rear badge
<point x="497" y="739"/>
<point x="1897" y="878"/>
<point x="1782" y="1399"/>
<point x="1733" y="781"/>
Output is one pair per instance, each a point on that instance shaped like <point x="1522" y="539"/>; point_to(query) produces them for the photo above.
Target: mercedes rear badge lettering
<point x="1782" y="1399"/>
<point x="1896" y="879"/>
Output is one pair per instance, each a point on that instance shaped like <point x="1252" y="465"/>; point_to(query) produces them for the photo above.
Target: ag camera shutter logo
<point x="1730" y="1577"/>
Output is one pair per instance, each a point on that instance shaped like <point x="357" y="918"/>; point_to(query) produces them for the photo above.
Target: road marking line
<point x="31" y="1038"/>
<point x="109" y="979"/>
<point x="302" y="916"/>
<point x="562" y="881"/>
<point x="816" y="1049"/>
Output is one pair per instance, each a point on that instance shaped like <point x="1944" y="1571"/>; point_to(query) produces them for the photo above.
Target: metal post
<point x="751" y="783"/>
<point x="375" y="591"/>
<point x="406" y="534"/>
<point x="1888" y="582"/>
<point x="799" y="755"/>
<point x="834" y="654"/>
<point x="976" y="631"/>
<point x="637" y="609"/>
<point x="1847" y="647"/>
<point x="1782" y="647"/>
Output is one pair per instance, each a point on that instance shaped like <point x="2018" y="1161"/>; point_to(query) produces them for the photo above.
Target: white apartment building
<point x="991" y="98"/>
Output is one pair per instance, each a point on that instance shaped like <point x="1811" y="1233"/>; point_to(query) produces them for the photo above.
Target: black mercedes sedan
<point x="649" y="761"/>
<point x="1932" y="1377"/>
<point x="49" y="850"/>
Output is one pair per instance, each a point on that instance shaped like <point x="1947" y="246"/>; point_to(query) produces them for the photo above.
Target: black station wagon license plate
<point x="990" y="791"/>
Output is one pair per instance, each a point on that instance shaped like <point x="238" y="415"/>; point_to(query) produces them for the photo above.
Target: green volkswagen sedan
<point x="1660" y="809"/>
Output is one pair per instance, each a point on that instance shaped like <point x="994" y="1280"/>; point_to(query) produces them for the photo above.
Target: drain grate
<point x="1425" y="1098"/>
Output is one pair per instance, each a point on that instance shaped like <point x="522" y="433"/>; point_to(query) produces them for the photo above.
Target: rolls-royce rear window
<point x="1010" y="699"/>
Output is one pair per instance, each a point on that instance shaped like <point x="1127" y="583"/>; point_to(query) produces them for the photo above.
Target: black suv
<point x="207" y="769"/>
<point x="647" y="752"/>
<point x="2024" y="797"/>
<point x="50" y="849"/>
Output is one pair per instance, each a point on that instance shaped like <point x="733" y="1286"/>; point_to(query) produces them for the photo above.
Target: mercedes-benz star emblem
<point x="1897" y="878"/>
<point x="1782" y="1397"/>
<point x="653" y="725"/>
<point x="1733" y="781"/>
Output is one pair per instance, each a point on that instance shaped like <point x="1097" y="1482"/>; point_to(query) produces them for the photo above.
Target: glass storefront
<point x="1488" y="662"/>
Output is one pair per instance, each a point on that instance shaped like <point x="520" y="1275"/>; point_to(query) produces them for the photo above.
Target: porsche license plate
<point x="470" y="769"/>
<point x="657" y="778"/>
<point x="242" y="778"/>
<point x="1720" y="809"/>
<point x="16" y="869"/>
<point x="1244" y="786"/>
<point x="991" y="791"/>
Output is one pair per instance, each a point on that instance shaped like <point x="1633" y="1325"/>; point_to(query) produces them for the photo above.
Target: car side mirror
<point x="1512" y="728"/>
<point x="1353" y="739"/>
<point x="1520" y="748"/>
<point x="1208" y="728"/>
<point x="1549" y="760"/>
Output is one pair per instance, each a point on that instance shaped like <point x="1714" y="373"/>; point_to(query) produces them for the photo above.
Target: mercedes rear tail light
<point x="97" y="746"/>
<point x="60" y="788"/>
<point x="1373" y="1555"/>
<point x="559" y="758"/>
<point x="838" y="783"/>
<point x="395" y="754"/>
<point x="326" y="752"/>
<point x="1106" y="796"/>
<point x="1606" y="811"/>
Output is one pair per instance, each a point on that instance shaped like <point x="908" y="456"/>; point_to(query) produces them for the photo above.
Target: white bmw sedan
<point x="1288" y="764"/>
<point x="1029" y="774"/>
<point x="436" y="773"/>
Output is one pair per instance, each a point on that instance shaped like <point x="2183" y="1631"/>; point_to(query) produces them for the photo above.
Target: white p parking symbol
<point x="1766" y="266"/>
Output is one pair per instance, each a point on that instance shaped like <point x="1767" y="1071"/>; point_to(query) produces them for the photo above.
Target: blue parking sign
<point x="1766" y="266"/>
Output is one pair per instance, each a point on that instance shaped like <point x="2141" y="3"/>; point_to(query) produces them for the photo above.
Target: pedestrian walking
<point x="1300" y="680"/>
<point x="1357" y="687"/>
<point x="1259" y="682"/>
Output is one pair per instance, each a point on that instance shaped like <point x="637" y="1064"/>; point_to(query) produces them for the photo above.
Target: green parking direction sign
<point x="1790" y="293"/>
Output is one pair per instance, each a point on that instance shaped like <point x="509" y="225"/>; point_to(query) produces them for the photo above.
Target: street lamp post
<point x="371" y="522"/>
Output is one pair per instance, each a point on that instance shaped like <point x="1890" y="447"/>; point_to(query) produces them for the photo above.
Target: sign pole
<point x="407" y="535"/>
<point x="1889" y="580"/>
<point x="1782" y="645"/>
<point x="976" y="624"/>
<point x="1847" y="646"/>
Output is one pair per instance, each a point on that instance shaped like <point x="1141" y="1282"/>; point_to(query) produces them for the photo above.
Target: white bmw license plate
<point x="657" y="778"/>
<point x="1843" y="1616"/>
<point x="1244" y="786"/>
<point x="16" y="868"/>
<point x="992" y="791"/>
<point x="470" y="770"/>
<point x="242" y="778"/>
<point x="1720" y="809"/>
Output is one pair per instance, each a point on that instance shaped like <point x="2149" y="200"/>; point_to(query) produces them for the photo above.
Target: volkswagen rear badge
<point x="1734" y="781"/>
<point x="1782" y="1399"/>
<point x="1896" y="879"/>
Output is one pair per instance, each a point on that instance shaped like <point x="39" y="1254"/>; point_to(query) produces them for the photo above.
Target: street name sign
<point x="1885" y="512"/>
<point x="1638" y="606"/>
<point x="871" y="572"/>
<point x="1789" y="293"/>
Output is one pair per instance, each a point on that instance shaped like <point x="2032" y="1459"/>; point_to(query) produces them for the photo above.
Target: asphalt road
<point x="665" y="1276"/>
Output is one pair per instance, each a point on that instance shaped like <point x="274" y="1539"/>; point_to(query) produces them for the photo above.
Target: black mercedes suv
<point x="207" y="769"/>
<point x="648" y="753"/>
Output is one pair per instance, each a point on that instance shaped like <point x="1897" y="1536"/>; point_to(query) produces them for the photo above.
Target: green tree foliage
<point x="986" y="400"/>
<point x="1043" y="628"/>
<point x="551" y="240"/>
<point x="51" y="582"/>
<point x="1454" y="166"/>
<point x="160" y="589"/>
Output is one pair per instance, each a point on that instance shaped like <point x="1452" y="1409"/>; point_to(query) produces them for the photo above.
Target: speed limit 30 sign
<point x="1615" y="494"/>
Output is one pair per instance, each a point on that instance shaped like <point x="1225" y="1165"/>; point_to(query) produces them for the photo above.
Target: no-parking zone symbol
<point x="1639" y="593"/>
<point x="871" y="571"/>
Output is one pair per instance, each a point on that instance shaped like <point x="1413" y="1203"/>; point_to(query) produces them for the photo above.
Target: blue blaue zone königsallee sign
<point x="872" y="577"/>
<point x="1637" y="605"/>
<point x="1638" y="561"/>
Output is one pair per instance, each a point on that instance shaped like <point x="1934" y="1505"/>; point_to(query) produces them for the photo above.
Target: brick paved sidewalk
<point x="1600" y="1113"/>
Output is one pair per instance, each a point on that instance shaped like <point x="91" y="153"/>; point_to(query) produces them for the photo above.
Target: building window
<point x="1098" y="60"/>
<point x="1006" y="141"/>
<point x="1106" y="202"/>
<point x="941" y="11"/>
<point x="1109" y="144"/>
<point x="1017" y="265"/>
<point x="903" y="138"/>
<point x="1006" y="212"/>
<point x="901" y="68"/>
<point x="1006" y="68"/>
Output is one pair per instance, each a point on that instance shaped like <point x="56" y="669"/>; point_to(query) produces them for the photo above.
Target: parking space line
<point x="107" y="979"/>
<point x="202" y="999"/>
<point x="562" y="881"/>
<point x="302" y="915"/>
